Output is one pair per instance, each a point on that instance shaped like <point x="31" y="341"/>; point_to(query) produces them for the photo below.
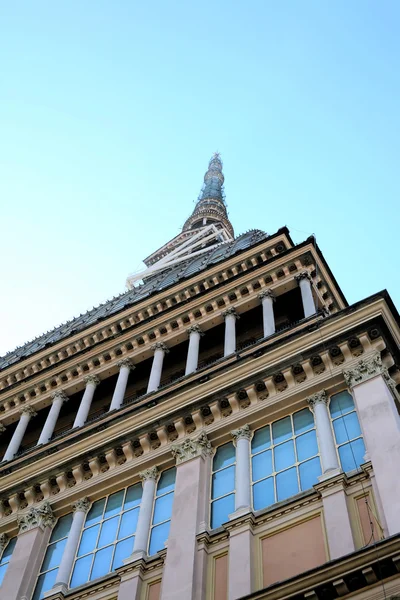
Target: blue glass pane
<point x="263" y="493"/>
<point x="352" y="455"/>
<point x="62" y="528"/>
<point x="163" y="508"/>
<point x="3" y="569"/>
<point x="346" y="428"/>
<point x="128" y="523"/>
<point x="88" y="540"/>
<point x="45" y="583"/>
<point x="166" y="482"/>
<point x="114" y="504"/>
<point x="281" y="430"/>
<point x="95" y="513"/>
<point x="309" y="473"/>
<point x="340" y="404"/>
<point x="261" y="440"/>
<point x="133" y="496"/>
<point x="102" y="563"/>
<point x="53" y="555"/>
<point x="223" y="482"/>
<point x="224" y="456"/>
<point x="261" y="465"/>
<point x="286" y="484"/>
<point x="220" y="509"/>
<point x="108" y="532"/>
<point x="122" y="550"/>
<point x="8" y="550"/>
<point x="306" y="445"/>
<point x="284" y="455"/>
<point x="159" y="535"/>
<point x="303" y="421"/>
<point x="81" y="571"/>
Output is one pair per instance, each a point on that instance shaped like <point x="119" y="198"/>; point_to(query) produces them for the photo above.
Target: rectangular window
<point x="162" y="511"/>
<point x="52" y="559"/>
<point x="347" y="431"/>
<point x="5" y="557"/>
<point x="223" y="485"/>
<point x="108" y="535"/>
<point x="285" y="459"/>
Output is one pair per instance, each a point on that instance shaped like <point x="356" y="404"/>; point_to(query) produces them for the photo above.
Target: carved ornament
<point x="42" y="517"/>
<point x="366" y="369"/>
<point x="28" y="410"/>
<point x="81" y="505"/>
<point x="59" y="395"/>
<point x="303" y="275"/>
<point x="147" y="474"/>
<point x="159" y="346"/>
<point x="126" y="362"/>
<point x="317" y="398"/>
<point x="194" y="329"/>
<point x="3" y="541"/>
<point x="267" y="294"/>
<point x="2" y="428"/>
<point x="91" y="379"/>
<point x="230" y="311"/>
<point x="191" y="448"/>
<point x="242" y="433"/>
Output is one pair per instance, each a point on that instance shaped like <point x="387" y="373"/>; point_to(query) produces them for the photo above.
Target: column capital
<point x="268" y="293"/>
<point x="242" y="433"/>
<point x="366" y="369"/>
<point x="151" y="473"/>
<point x="230" y="311"/>
<point x="82" y="505"/>
<point x="28" y="410"/>
<point x="91" y="379"/>
<point x="126" y="362"/>
<point x="191" y="448"/>
<point x="194" y="329"/>
<point x="159" y="346"/>
<point x="42" y="517"/>
<point x="303" y="275"/>
<point x="317" y="398"/>
<point x="2" y="428"/>
<point x="59" y="395"/>
<point x="3" y="541"/>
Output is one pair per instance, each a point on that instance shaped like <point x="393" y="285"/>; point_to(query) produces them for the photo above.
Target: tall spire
<point x="210" y="207"/>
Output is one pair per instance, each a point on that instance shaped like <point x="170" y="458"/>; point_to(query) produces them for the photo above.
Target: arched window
<point x="162" y="511"/>
<point x="5" y="557"/>
<point x="347" y="431"/>
<point x="223" y="485"/>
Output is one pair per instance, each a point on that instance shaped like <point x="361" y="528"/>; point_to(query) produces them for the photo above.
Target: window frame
<point x="349" y="441"/>
<point x="156" y="496"/>
<point x="233" y="464"/>
<point x="2" y="564"/>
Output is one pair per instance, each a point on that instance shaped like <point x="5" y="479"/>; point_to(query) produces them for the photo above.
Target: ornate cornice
<point x="42" y="517"/>
<point x="126" y="362"/>
<point x="191" y="448"/>
<point x="242" y="433"/>
<point x="151" y="473"/>
<point x="230" y="311"/>
<point x="303" y="275"/>
<point x="82" y="505"/>
<point x="28" y="410"/>
<point x="317" y="398"/>
<point x="91" y="379"/>
<point x="3" y="541"/>
<point x="159" y="346"/>
<point x="267" y="294"/>
<point x="2" y="428"/>
<point x="194" y="329"/>
<point x="366" y="369"/>
<point x="59" y="395"/>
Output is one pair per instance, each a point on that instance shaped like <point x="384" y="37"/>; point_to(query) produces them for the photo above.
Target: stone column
<point x="305" y="282"/>
<point x="91" y="383"/>
<point x="230" y="315"/>
<point x="160" y="350"/>
<point x="149" y="479"/>
<point x="318" y="404"/>
<point x="125" y="366"/>
<point x="58" y="398"/>
<point x="183" y="574"/>
<point x="374" y="395"/>
<point x="267" y="298"/>
<point x="192" y="360"/>
<point x="34" y="532"/>
<point x="242" y="437"/>
<point x="27" y="412"/>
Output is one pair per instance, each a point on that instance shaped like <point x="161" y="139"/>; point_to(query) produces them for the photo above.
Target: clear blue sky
<point x="111" y="110"/>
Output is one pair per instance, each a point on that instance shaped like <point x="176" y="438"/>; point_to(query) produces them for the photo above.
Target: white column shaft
<point x="307" y="297"/>
<point x="156" y="370"/>
<point x="243" y="482"/>
<point x="326" y="441"/>
<point x="120" y="388"/>
<point x="68" y="557"/>
<point x="17" y="437"/>
<point x="230" y="335"/>
<point x="84" y="406"/>
<point x="51" y="421"/>
<point x="144" y="519"/>
<point x="268" y="316"/>
<point x="193" y="352"/>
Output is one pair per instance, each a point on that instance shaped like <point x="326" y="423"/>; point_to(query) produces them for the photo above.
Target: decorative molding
<point x="28" y="410"/>
<point x="268" y="293"/>
<point x="194" y="329"/>
<point x="126" y="362"/>
<point x="230" y="311"/>
<point x="317" y="398"/>
<point x="151" y="473"/>
<point x="91" y="379"/>
<point x="159" y="346"/>
<point x="242" y="433"/>
<point x="191" y="448"/>
<point x="3" y="541"/>
<point x="303" y="275"/>
<point x="368" y="368"/>
<point x="2" y="428"/>
<point x="59" y="395"/>
<point x="42" y="517"/>
<point x="82" y="505"/>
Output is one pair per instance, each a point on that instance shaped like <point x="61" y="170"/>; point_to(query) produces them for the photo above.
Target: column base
<point x="329" y="474"/>
<point x="240" y="512"/>
<point x="58" y="592"/>
<point x="139" y="555"/>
